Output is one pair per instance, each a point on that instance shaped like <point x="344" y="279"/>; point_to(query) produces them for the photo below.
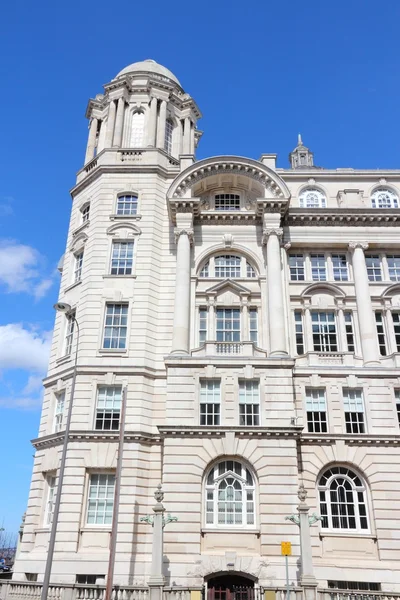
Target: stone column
<point x="276" y="313"/>
<point x="110" y="125"/>
<point x="367" y="325"/>
<point x="100" y="139"/>
<point x="119" y="123"/>
<point x="184" y="238"/>
<point x="152" y="123"/>
<point x="161" y="125"/>
<point x="156" y="580"/>
<point x="186" y="136"/>
<point x="211" y="320"/>
<point x="342" y="339"/>
<point x="245" y="321"/>
<point x="91" y="145"/>
<point x="307" y="579"/>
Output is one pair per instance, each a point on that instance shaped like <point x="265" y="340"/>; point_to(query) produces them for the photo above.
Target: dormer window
<point x="384" y="198"/>
<point x="227" y="202"/>
<point x="312" y="198"/>
<point x="228" y="266"/>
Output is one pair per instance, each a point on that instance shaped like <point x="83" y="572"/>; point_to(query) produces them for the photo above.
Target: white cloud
<point x="24" y="348"/>
<point x="34" y="384"/>
<point x="19" y="269"/>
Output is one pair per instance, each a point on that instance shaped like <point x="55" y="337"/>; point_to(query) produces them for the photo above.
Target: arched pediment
<point x="237" y="167"/>
<point x="392" y="290"/>
<point x="124" y="230"/>
<point x="78" y="242"/>
<point x="323" y="288"/>
<point x="232" y="248"/>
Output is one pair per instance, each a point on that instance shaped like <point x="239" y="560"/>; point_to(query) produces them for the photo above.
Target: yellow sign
<point x="286" y="548"/>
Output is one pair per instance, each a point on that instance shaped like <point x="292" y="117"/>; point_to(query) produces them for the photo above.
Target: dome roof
<point x="149" y="66"/>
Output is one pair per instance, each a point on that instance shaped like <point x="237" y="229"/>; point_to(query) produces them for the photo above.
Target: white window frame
<point x="108" y="407"/>
<point x="240" y="269"/>
<point x="353" y="404"/>
<point x="69" y="334"/>
<point x="245" y="480"/>
<point x="374" y="269"/>
<point x="326" y="493"/>
<point x="312" y="198"/>
<point x="51" y="491"/>
<point x="340" y="272"/>
<point x="59" y="409"/>
<point x="249" y="403"/>
<point x="316" y="410"/>
<point x="319" y="267"/>
<point x="169" y="136"/>
<point x="125" y="207"/>
<point x="227" y="201"/>
<point x="394" y="270"/>
<point x="122" y="257"/>
<point x="297" y="267"/>
<point x="136" y="138"/>
<point x="349" y="330"/>
<point x="253" y="325"/>
<point x="324" y="331"/>
<point x="97" y="499"/>
<point x="113" y="321"/>
<point x="85" y="212"/>
<point x="299" y="338"/>
<point x="396" y="329"/>
<point x="381" y="332"/>
<point x="397" y="402"/>
<point x="228" y="332"/>
<point x="384" y="198"/>
<point x="78" y="266"/>
<point x="210" y="402"/>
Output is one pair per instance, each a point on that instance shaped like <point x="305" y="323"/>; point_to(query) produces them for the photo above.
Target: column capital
<point x="188" y="231"/>
<point x="353" y="245"/>
<point x="268" y="231"/>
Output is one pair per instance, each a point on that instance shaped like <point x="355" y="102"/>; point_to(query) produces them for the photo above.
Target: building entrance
<point x="230" y="587"/>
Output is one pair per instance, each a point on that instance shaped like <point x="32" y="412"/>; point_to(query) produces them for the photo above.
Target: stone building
<point x="251" y="314"/>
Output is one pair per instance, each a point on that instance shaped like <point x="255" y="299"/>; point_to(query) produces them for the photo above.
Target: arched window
<point x="229" y="492"/>
<point x="342" y="500"/>
<point x="312" y="198"/>
<point x="169" y="128"/>
<point x="137" y="131"/>
<point x="228" y="266"/>
<point x="384" y="198"/>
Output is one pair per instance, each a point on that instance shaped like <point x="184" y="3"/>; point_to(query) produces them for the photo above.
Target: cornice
<point x="56" y="439"/>
<point x="338" y="174"/>
<point x="228" y="360"/>
<point x="100" y="370"/>
<point x="342" y="217"/>
<point x="168" y="431"/>
<point x="351" y="439"/>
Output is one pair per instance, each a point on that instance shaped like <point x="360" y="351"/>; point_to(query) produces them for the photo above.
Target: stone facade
<point x="243" y="330"/>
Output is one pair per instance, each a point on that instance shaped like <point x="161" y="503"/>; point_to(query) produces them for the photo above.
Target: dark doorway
<point x="230" y="587"/>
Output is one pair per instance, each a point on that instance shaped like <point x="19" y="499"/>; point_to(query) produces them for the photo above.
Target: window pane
<point x="296" y="267"/>
<point x="324" y="332"/>
<point x="227" y="266"/>
<point x="339" y="265"/>
<point x="227" y="202"/>
<point x="122" y="258"/>
<point x="137" y="130"/>
<point x="127" y="205"/>
<point x="115" y="329"/>
<point x="316" y="410"/>
<point x="318" y="267"/>
<point x="374" y="271"/>
<point x="298" y="321"/>
<point x="394" y="267"/>
<point x="101" y="499"/>
<point x="108" y="408"/>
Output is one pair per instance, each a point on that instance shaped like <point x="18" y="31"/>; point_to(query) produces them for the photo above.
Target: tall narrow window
<point x="108" y="409"/>
<point x="318" y="267"/>
<point x="296" y="267"/>
<point x="324" y="331"/>
<point x="101" y="499"/>
<point x="51" y="497"/>
<point x="227" y="266"/>
<point x="354" y="411"/>
<point x="86" y="213"/>
<point x="59" y="412"/>
<point x="396" y="325"/>
<point x="115" y="328"/>
<point x="380" y="329"/>
<point x="339" y="265"/>
<point x="348" y="323"/>
<point x="228" y="324"/>
<point x="122" y="258"/>
<point x="202" y="325"/>
<point x="316" y="411"/>
<point x="69" y="336"/>
<point x="253" y="325"/>
<point x="394" y="267"/>
<point x="397" y="398"/>
<point x="127" y="205"/>
<point x="205" y="271"/>
<point x="298" y="324"/>
<point x="78" y="267"/>
<point x="210" y="402"/>
<point x="249" y="402"/>
<point x="250" y="272"/>
<point x="342" y="500"/>
<point x="137" y="130"/>
<point x="374" y="268"/>
<point x="227" y="202"/>
<point x="169" y="130"/>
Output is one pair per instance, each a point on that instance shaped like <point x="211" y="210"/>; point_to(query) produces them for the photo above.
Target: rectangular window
<point x="59" y="412"/>
<point x="108" y="408"/>
<point x="122" y="258"/>
<point x="210" y="402"/>
<point x="296" y="267"/>
<point x="397" y="398"/>
<point x="115" y="328"/>
<point x="127" y="205"/>
<point x="339" y="265"/>
<point x="298" y="324"/>
<point x="354" y="411"/>
<point x="227" y="266"/>
<point x="394" y="267"/>
<point x="396" y="325"/>
<point x="253" y="325"/>
<point x="227" y="202"/>
<point x="228" y="324"/>
<point x="355" y="585"/>
<point x="51" y="498"/>
<point x="31" y="577"/>
<point x="69" y="335"/>
<point x="249" y="402"/>
<point x="318" y="267"/>
<point x="324" y="331"/>
<point x="86" y="214"/>
<point x="78" y="267"/>
<point x="101" y="499"/>
<point x="316" y="411"/>
<point x="202" y="325"/>
<point x="380" y="329"/>
<point x="374" y="268"/>
<point x="88" y="579"/>
<point x="349" y="328"/>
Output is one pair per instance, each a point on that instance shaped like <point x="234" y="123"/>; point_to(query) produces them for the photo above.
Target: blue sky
<point x="260" y="71"/>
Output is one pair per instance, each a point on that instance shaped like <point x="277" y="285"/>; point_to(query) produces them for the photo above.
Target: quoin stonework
<point x="251" y="315"/>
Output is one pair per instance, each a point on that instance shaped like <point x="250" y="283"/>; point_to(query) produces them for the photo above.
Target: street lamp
<point x="66" y="309"/>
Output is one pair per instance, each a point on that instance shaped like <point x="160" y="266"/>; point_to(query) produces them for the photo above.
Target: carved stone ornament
<point x="302" y="493"/>
<point x="159" y="494"/>
<point x="189" y="232"/>
<point x="227" y="240"/>
<point x="205" y="204"/>
<point x="354" y="245"/>
<point x="267" y="231"/>
<point x="250" y="205"/>
<point x="287" y="246"/>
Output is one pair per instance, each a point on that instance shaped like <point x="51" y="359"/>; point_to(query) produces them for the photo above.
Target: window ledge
<point x="63" y="359"/>
<point x="42" y="530"/>
<point x="73" y="285"/>
<point x="80" y="228"/>
<point x="113" y="350"/>
<point x="93" y="528"/>
<point x="125" y="217"/>
<point x="119" y="276"/>
<point x="230" y="530"/>
<point x="348" y="534"/>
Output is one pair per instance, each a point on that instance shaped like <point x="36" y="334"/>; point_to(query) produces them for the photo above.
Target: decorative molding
<point x="268" y="231"/>
<point x="353" y="245"/>
<point x="78" y="242"/>
<point x="327" y="217"/>
<point x="227" y="240"/>
<point x="189" y="232"/>
<point x="129" y="229"/>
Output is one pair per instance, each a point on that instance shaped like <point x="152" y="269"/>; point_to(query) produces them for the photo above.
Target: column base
<point x="278" y="353"/>
<point x="156" y="581"/>
<point x="372" y="363"/>
<point x="308" y="581"/>
<point x="180" y="352"/>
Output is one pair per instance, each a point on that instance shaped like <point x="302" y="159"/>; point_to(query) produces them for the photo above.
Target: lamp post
<point x="66" y="309"/>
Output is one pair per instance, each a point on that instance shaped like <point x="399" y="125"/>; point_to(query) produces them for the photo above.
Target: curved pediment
<point x="322" y="287"/>
<point x="124" y="230"/>
<point x="78" y="242"/>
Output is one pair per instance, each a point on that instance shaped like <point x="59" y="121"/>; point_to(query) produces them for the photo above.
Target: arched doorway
<point x="230" y="586"/>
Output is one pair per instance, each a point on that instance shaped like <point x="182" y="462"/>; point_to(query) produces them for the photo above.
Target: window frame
<point x="396" y="329"/>
<point x="325" y="343"/>
<point x="51" y="493"/>
<point x="128" y="261"/>
<point x="374" y="271"/>
<point x="299" y="331"/>
<point x="226" y="332"/>
<point x="69" y="333"/>
<point x="208" y="267"/>
<point x="393" y="198"/>
<point x="85" y="213"/>
<point x="133" y="138"/>
<point x="210" y="401"/>
<point x="113" y="409"/>
<point x="58" y="422"/>
<point x="234" y="206"/>
<point x="99" y="474"/>
<point x="246" y="399"/>
<point x="313" y="397"/>
<point x="169" y="136"/>
<point x="121" y="198"/>
<point x="319" y="194"/>
<point x="397" y="405"/>
<point x="381" y="332"/>
<point x="78" y="265"/>
<point x="125" y="326"/>
<point x="394" y="269"/>
<point x="356" y="425"/>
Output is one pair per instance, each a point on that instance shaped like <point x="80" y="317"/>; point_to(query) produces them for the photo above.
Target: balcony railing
<point x="228" y="349"/>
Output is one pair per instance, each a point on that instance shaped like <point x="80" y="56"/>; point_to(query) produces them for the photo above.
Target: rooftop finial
<point x="299" y="140"/>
